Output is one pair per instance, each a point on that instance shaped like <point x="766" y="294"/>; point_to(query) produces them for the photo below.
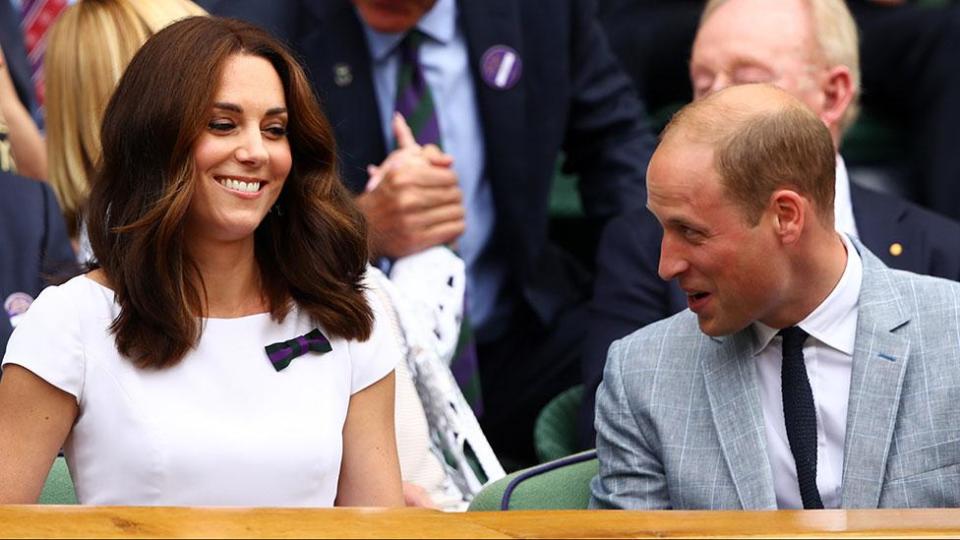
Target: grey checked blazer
<point x="679" y="423"/>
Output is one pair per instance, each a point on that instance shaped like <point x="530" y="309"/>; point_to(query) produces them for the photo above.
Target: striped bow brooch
<point x="281" y="354"/>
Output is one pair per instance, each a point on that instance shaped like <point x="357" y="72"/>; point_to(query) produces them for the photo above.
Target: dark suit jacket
<point x="629" y="294"/>
<point x="571" y="96"/>
<point x="15" y="53"/>
<point x="33" y="242"/>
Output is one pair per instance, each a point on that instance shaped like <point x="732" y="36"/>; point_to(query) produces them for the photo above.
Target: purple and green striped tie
<point x="414" y="99"/>
<point x="415" y="102"/>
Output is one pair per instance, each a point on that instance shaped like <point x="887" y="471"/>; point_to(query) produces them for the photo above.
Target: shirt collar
<point x="834" y="321"/>
<point x="842" y="203"/>
<point x="440" y="24"/>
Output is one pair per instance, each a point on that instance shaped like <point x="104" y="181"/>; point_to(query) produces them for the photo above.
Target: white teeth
<point x="237" y="185"/>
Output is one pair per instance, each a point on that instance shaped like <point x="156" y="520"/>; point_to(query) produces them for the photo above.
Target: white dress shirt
<point x="842" y="204"/>
<point x="446" y="67"/>
<point x="828" y="356"/>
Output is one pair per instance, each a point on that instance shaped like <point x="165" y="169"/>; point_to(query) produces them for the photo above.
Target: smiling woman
<point x="228" y="319"/>
<point x="243" y="156"/>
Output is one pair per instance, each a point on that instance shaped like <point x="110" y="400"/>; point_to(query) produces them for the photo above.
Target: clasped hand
<point x="413" y="200"/>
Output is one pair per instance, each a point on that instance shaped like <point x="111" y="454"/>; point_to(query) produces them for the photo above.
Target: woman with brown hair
<point x="226" y="351"/>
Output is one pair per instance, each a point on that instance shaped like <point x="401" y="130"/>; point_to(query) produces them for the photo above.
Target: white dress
<point x="222" y="427"/>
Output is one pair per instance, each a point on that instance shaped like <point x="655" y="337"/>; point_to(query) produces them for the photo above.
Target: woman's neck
<point x="231" y="277"/>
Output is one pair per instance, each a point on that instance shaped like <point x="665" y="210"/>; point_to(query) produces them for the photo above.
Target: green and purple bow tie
<point x="281" y="354"/>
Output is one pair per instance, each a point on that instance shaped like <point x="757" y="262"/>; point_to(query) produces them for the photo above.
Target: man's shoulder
<point x="927" y="242"/>
<point x="909" y="296"/>
<point x="925" y="291"/>
<point x="21" y="194"/>
<point x="673" y="335"/>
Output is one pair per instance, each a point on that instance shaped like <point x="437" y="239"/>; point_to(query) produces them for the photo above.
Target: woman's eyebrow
<point x="238" y="109"/>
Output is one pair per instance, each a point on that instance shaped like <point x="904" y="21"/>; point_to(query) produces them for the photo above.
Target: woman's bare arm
<point x="35" y="419"/>
<point x="370" y="470"/>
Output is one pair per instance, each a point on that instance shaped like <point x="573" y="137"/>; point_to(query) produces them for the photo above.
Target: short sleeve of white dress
<point x="375" y="358"/>
<point x="48" y="341"/>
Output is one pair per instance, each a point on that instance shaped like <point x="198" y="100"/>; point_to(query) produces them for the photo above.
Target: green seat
<point x="564" y="197"/>
<point x="555" y="431"/>
<point x="58" y="488"/>
<point x="563" y="484"/>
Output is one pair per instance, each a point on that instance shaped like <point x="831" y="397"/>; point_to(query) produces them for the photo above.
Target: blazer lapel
<point x="879" y="364"/>
<point x="735" y="403"/>
<point x="339" y="65"/>
<point x="486" y="24"/>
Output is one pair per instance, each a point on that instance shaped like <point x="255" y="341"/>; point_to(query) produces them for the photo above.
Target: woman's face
<point x="242" y="157"/>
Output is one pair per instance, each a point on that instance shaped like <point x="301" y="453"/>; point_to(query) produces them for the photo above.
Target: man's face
<point x="392" y="16"/>
<point x="728" y="269"/>
<point x="750" y="41"/>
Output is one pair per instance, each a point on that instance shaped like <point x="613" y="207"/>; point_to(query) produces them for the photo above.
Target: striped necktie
<point x="37" y="17"/>
<point x="415" y="102"/>
<point x="414" y="99"/>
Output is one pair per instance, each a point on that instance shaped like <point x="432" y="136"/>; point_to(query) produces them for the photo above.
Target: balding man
<point x="809" y="49"/>
<point x="805" y="373"/>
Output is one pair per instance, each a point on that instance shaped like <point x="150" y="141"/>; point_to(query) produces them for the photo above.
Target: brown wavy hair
<point x="313" y="252"/>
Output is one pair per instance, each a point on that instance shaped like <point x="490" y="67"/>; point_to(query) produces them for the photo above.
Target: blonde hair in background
<point x="835" y="33"/>
<point x="88" y="49"/>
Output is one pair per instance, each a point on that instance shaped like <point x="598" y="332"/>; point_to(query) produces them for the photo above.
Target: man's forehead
<point x="742" y="25"/>
<point x="680" y="165"/>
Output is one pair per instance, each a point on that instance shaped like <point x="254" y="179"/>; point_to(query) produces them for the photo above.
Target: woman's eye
<point x="220" y="125"/>
<point x="276" y="132"/>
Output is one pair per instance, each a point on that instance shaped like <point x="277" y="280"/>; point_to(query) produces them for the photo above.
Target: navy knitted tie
<point x="800" y="415"/>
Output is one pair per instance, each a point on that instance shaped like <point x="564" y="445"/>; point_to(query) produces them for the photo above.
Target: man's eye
<point x="701" y="86"/>
<point x="690" y="234"/>
<point x="749" y="75"/>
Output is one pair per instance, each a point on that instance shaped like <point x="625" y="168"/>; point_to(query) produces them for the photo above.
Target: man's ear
<point x="788" y="211"/>
<point x="837" y="95"/>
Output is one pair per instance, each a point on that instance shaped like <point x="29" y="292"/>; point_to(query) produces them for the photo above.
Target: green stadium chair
<point x="563" y="484"/>
<point x="59" y="486"/>
<point x="555" y="431"/>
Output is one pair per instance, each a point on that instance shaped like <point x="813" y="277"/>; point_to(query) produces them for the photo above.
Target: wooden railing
<point x="140" y="522"/>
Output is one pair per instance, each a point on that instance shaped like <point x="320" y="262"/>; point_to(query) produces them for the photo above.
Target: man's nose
<point x="672" y="264"/>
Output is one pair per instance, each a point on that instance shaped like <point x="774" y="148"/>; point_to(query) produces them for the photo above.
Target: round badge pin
<point x="500" y="67"/>
<point x="16" y="305"/>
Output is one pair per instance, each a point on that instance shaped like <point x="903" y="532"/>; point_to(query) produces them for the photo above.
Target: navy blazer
<point x="34" y="247"/>
<point x="629" y="294"/>
<point x="571" y="97"/>
<point x="15" y="53"/>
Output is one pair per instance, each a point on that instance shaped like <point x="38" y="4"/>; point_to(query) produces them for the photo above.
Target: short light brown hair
<point x="835" y="35"/>
<point x="758" y="150"/>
